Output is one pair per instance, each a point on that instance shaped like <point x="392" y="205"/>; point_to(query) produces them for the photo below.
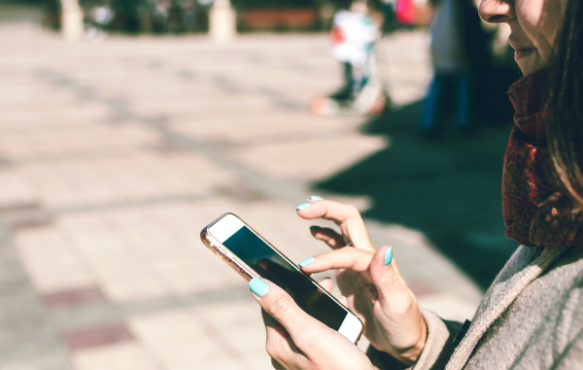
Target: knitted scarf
<point x="535" y="211"/>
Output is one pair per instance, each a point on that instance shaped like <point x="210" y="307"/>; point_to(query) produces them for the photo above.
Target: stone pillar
<point x="222" y="21"/>
<point x="71" y="20"/>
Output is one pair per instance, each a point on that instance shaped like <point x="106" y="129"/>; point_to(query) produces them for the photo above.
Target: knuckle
<point x="391" y="278"/>
<point x="352" y="256"/>
<point x="309" y="337"/>
<point x="350" y="253"/>
<point x="279" y="307"/>
<point x="353" y="210"/>
<point x="271" y="349"/>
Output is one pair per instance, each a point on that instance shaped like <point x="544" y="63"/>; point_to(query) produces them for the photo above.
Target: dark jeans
<point x="448" y="89"/>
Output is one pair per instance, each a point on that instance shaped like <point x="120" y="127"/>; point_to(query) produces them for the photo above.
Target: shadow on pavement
<point x="448" y="189"/>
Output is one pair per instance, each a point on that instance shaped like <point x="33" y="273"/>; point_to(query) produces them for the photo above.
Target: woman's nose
<point x="497" y="11"/>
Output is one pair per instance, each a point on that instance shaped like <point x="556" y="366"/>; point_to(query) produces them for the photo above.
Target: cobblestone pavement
<point x="114" y="155"/>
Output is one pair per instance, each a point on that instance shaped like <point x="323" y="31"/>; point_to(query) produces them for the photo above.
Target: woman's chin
<point x="529" y="61"/>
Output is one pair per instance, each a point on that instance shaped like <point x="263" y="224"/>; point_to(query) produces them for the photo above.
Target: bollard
<point x="222" y="21"/>
<point x="71" y="20"/>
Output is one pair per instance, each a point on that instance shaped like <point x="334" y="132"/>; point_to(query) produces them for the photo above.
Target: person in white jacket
<point x="354" y="35"/>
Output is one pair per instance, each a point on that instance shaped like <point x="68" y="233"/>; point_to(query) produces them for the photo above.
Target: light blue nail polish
<point x="388" y="256"/>
<point x="258" y="286"/>
<point x="307" y="261"/>
<point x="303" y="206"/>
<point x="315" y="197"/>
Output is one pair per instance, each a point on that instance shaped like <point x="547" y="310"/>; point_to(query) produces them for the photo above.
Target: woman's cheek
<point x="540" y="20"/>
<point x="529" y="16"/>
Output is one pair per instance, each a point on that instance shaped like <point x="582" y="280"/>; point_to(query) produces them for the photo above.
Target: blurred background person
<point x="390" y="20"/>
<point x="99" y="17"/>
<point x="354" y="34"/>
<point x="459" y="50"/>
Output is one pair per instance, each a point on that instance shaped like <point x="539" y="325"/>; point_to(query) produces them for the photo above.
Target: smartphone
<point x="251" y="256"/>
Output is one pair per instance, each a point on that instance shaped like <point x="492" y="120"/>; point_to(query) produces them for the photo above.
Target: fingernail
<point x="303" y="206"/>
<point x="388" y="256"/>
<point x="315" y="197"/>
<point x="258" y="286"/>
<point x="306" y="262"/>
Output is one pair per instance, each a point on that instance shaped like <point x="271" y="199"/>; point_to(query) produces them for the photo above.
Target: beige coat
<point x="530" y="318"/>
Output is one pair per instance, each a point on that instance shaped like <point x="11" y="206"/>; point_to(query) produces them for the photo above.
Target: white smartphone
<point x="252" y="256"/>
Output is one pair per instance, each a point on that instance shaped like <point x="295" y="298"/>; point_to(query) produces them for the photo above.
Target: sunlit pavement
<point x="114" y="155"/>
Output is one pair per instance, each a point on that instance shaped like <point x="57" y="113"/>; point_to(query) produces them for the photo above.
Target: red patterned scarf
<point x="535" y="211"/>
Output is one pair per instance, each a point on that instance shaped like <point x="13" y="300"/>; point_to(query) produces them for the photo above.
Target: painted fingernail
<point x="306" y="262"/>
<point x="388" y="256"/>
<point x="303" y="206"/>
<point x="258" y="286"/>
<point x="315" y="197"/>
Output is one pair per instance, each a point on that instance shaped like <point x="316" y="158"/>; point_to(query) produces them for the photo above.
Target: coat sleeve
<point x="441" y="335"/>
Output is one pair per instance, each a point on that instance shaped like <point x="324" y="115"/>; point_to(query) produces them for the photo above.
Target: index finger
<point x="344" y="215"/>
<point x="343" y="258"/>
<point x="329" y="210"/>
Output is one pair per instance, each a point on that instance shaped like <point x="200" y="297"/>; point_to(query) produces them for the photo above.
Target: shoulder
<point x="520" y="259"/>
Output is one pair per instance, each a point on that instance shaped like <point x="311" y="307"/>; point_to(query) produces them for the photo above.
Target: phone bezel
<point x="248" y="273"/>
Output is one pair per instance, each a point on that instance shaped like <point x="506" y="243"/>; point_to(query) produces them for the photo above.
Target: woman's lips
<point x="523" y="53"/>
<point x="520" y="51"/>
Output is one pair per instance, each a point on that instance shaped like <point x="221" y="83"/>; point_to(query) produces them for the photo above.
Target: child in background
<point x="354" y="35"/>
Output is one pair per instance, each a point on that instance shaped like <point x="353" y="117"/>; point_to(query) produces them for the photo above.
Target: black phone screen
<point x="269" y="264"/>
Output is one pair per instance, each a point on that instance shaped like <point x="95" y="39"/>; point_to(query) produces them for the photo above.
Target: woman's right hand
<point x="370" y="280"/>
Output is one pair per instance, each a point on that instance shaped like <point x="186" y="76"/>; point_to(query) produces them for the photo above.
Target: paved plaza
<point x="114" y="155"/>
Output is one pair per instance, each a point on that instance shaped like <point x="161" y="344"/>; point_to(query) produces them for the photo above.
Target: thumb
<point x="396" y="310"/>
<point x="386" y="277"/>
<point x="280" y="305"/>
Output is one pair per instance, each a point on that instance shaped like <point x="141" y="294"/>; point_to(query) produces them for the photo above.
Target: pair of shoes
<point x="324" y="106"/>
<point x="345" y="94"/>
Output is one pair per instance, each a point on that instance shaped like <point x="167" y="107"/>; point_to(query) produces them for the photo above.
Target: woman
<point x="532" y="315"/>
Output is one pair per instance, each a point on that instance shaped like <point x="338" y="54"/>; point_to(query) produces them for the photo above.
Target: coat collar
<point x="523" y="267"/>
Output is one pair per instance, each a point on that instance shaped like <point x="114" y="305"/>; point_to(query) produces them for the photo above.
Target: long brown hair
<point x="565" y="124"/>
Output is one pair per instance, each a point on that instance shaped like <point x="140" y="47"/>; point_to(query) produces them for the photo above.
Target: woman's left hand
<point x="296" y="340"/>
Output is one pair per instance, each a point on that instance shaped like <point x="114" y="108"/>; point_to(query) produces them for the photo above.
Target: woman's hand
<point x="296" y="340"/>
<point x="369" y="279"/>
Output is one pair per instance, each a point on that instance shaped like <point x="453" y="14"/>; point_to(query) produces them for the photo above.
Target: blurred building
<point x="192" y="16"/>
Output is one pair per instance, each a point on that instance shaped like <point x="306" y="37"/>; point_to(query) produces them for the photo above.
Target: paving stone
<point x="21" y="317"/>
<point x="263" y="127"/>
<point x="95" y="337"/>
<point x="307" y="160"/>
<point x="119" y="356"/>
<point x="73" y="297"/>
<point x="36" y="358"/>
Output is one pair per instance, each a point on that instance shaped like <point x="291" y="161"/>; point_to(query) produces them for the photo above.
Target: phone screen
<point x="258" y="255"/>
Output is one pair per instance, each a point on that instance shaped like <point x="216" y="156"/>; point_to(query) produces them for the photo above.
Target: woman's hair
<point x="565" y="126"/>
